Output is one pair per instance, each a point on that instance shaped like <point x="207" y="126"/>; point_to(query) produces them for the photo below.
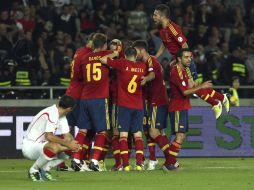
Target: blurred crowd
<point x="38" y="38"/>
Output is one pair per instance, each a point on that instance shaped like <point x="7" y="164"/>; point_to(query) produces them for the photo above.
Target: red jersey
<point x="95" y="76"/>
<point x="129" y="88"/>
<point x="178" y="84"/>
<point x="156" y="88"/>
<point x="75" y="88"/>
<point x="149" y="65"/>
<point x="172" y="38"/>
<point x="113" y="82"/>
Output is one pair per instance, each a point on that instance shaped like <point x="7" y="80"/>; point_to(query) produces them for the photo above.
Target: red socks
<point x="163" y="143"/>
<point x="139" y="147"/>
<point x="151" y="148"/>
<point x="124" y="151"/>
<point x="214" y="94"/>
<point x="174" y="149"/>
<point x="116" y="150"/>
<point x="210" y="96"/>
<point x="82" y="140"/>
<point x="99" y="144"/>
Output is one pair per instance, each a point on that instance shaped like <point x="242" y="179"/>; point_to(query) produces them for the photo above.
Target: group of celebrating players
<point x="119" y="93"/>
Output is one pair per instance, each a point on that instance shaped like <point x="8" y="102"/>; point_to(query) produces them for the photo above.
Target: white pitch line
<point x="224" y="167"/>
<point x="12" y="171"/>
<point x="204" y="167"/>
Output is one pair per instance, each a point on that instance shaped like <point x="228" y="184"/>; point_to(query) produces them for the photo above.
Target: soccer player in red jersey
<point x="94" y="97"/>
<point x="115" y="45"/>
<point x="74" y="90"/>
<point x="158" y="103"/>
<point x="131" y="74"/>
<point x="179" y="104"/>
<point x="173" y="39"/>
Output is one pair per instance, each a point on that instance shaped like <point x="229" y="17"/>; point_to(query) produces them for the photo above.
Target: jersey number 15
<point x="93" y="71"/>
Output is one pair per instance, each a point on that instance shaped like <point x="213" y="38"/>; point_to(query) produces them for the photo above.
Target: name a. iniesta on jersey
<point x="135" y="70"/>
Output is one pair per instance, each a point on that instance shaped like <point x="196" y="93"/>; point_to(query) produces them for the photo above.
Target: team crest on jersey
<point x="180" y="39"/>
<point x="127" y="68"/>
<point x="183" y="83"/>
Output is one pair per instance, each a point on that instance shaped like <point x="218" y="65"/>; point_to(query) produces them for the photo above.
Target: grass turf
<point x="196" y="174"/>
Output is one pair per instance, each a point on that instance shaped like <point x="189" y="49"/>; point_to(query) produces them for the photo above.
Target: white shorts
<point x="31" y="149"/>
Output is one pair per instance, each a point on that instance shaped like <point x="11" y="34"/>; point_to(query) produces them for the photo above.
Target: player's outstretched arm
<point x="160" y="51"/>
<point x="104" y="59"/>
<point x="207" y="84"/>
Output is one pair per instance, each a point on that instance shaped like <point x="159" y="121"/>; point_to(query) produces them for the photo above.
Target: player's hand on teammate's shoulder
<point x="207" y="84"/>
<point x="104" y="59"/>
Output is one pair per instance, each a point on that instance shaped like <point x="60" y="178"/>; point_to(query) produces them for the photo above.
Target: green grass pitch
<point x="196" y="174"/>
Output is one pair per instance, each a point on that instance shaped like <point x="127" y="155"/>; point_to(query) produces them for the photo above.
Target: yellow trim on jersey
<point x="173" y="153"/>
<point x="189" y="73"/>
<point x="139" y="152"/>
<point x="212" y="94"/>
<point x="150" y="62"/>
<point x="180" y="73"/>
<point x="107" y="114"/>
<point x="105" y="149"/>
<point x="154" y="113"/>
<point x="116" y="152"/>
<point x="98" y="148"/>
<point x="151" y="144"/>
<point x="165" y="147"/>
<point x="172" y="29"/>
<point x="124" y="152"/>
<point x="176" y="120"/>
<point x="207" y="96"/>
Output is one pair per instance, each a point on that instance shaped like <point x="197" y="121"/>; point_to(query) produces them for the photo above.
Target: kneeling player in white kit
<point x="41" y="144"/>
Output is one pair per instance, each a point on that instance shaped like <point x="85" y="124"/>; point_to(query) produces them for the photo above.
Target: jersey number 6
<point x="132" y="86"/>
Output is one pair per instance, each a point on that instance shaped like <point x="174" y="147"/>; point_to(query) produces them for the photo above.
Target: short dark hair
<point x="66" y="102"/>
<point x="99" y="40"/>
<point x="130" y="51"/>
<point x="180" y="52"/>
<point x="164" y="9"/>
<point x="140" y="44"/>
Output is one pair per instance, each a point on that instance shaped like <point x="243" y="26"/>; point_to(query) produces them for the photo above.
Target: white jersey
<point x="46" y="120"/>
